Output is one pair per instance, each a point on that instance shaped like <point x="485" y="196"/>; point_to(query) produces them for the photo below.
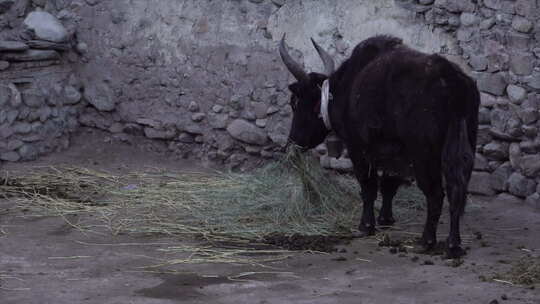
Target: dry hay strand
<point x="526" y="271"/>
<point x="293" y="202"/>
<point x="230" y="255"/>
<point x="5" y="279"/>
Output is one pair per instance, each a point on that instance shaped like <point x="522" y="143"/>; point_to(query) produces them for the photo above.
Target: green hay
<point x="294" y="196"/>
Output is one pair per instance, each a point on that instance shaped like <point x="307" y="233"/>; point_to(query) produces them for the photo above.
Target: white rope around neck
<point x="325" y="99"/>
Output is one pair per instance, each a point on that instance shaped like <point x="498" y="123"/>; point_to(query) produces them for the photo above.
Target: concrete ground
<point x="43" y="260"/>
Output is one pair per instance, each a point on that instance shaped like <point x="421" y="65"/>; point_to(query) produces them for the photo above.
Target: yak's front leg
<point x="367" y="178"/>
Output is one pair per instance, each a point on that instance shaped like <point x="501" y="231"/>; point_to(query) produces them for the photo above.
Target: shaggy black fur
<point x="397" y="109"/>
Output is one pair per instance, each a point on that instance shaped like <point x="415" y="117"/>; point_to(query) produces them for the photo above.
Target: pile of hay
<point x="526" y="271"/>
<point x="292" y="197"/>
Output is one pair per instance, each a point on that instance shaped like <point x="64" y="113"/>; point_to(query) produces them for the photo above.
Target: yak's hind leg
<point x="428" y="176"/>
<point x="389" y="187"/>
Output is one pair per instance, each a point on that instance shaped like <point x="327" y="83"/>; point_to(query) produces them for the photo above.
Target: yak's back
<point x="402" y="88"/>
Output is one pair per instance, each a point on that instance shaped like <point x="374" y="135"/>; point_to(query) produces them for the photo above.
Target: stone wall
<point x="204" y="77"/>
<point x="500" y="41"/>
<point x="40" y="96"/>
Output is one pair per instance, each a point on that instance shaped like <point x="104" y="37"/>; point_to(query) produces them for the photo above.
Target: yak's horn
<point x="293" y="66"/>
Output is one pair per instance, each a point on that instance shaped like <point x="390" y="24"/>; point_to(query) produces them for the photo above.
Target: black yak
<point x="396" y="110"/>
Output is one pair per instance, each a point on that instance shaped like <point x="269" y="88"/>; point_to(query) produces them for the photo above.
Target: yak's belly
<point x="391" y="158"/>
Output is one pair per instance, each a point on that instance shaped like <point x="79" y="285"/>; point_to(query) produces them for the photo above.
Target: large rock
<point x="493" y="4"/>
<point x="484" y="135"/>
<point x="484" y="116"/>
<point x="5" y="131"/>
<point x="478" y="63"/>
<point x="530" y="165"/>
<point x="497" y="61"/>
<point x="5" y="95"/>
<point x="31" y="55"/>
<point x="12" y="116"/>
<point x="488" y="100"/>
<point x="530" y="147"/>
<point x="95" y="120"/>
<point x="526" y="7"/>
<point x="100" y="96"/>
<point x="534" y="80"/>
<point x="28" y="152"/>
<point x="521" y="24"/>
<point x="514" y="154"/>
<point x="522" y="63"/>
<point x="480" y="184"/>
<point x="22" y="128"/>
<point x="516" y="93"/>
<point x="499" y="177"/>
<point x="198" y="117"/>
<point x="457" y="6"/>
<point x="496" y="151"/>
<point x="33" y="98"/>
<point x="46" y="26"/>
<point x="518" y="41"/>
<point x="529" y="131"/>
<point x="528" y="115"/>
<point x="468" y="19"/>
<point x="190" y="128"/>
<point x="533" y="200"/>
<point x="14" y="144"/>
<point x="10" y="156"/>
<point x="279" y="134"/>
<point x="491" y="83"/>
<point x="520" y="186"/>
<point x="12" y="46"/>
<point x="259" y="109"/>
<point x="218" y="121"/>
<point x="506" y="121"/>
<point x="72" y="95"/>
<point x="480" y="162"/>
<point x="247" y="132"/>
<point x="159" y="134"/>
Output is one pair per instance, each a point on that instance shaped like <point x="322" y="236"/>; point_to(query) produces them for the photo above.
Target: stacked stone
<point x="38" y="99"/>
<point x="231" y="132"/>
<point x="500" y="40"/>
<point x="221" y="93"/>
<point x="227" y="104"/>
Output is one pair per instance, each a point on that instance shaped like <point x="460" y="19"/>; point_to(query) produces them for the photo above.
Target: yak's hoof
<point x="424" y="246"/>
<point x="455" y="252"/>
<point x="386" y="221"/>
<point x="364" y="231"/>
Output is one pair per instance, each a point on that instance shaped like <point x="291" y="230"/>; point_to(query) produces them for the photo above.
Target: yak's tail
<point x="460" y="143"/>
<point x="457" y="164"/>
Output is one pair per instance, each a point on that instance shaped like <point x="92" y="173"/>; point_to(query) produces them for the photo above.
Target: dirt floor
<point x="43" y="260"/>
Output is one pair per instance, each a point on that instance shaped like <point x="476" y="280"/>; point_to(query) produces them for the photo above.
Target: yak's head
<point x="308" y="129"/>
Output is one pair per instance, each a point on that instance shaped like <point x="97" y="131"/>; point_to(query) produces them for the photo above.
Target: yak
<point x="400" y="113"/>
